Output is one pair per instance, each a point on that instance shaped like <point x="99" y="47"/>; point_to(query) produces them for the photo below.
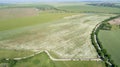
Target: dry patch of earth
<point x="18" y="12"/>
<point x="115" y="21"/>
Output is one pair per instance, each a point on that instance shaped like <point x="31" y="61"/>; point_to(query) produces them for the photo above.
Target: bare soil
<point x="18" y="12"/>
<point x="115" y="21"/>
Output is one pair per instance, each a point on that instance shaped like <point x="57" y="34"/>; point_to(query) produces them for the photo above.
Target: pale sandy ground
<point x="67" y="38"/>
<point x="115" y="21"/>
<point x="18" y="12"/>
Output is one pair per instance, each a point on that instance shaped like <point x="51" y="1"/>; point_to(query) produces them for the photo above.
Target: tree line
<point x="103" y="53"/>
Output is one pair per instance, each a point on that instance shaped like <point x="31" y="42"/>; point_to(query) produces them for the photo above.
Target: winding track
<point x="54" y="59"/>
<point x="95" y="38"/>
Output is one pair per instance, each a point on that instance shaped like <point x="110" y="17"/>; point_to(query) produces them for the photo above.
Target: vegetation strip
<point x="98" y="46"/>
<point x="12" y="62"/>
<point x="81" y="59"/>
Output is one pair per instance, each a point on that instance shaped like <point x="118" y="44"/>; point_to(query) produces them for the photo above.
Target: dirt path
<point x="54" y="59"/>
<point x="95" y="38"/>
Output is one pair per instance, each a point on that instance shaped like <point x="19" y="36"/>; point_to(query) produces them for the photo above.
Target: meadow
<point x="82" y="7"/>
<point x="111" y="42"/>
<point x="43" y="60"/>
<point x="10" y="53"/>
<point x="43" y="17"/>
<point x="89" y="9"/>
<point x="10" y="27"/>
<point x="63" y="33"/>
<point x="72" y="32"/>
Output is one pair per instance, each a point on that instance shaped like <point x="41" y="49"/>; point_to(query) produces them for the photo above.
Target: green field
<point x="61" y="29"/>
<point x="70" y="7"/>
<point x="79" y="64"/>
<point x="43" y="60"/>
<point x="111" y="42"/>
<point x="16" y="23"/>
<point x="89" y="9"/>
<point x="10" y="53"/>
<point x="54" y="36"/>
<point x="27" y="21"/>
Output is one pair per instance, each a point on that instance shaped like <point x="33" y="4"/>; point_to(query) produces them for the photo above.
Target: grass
<point x="22" y="22"/>
<point x="4" y="64"/>
<point x="115" y="27"/>
<point x="39" y="5"/>
<point x="88" y="8"/>
<point x="43" y="60"/>
<point x="57" y="35"/>
<point x="111" y="42"/>
<point x="75" y="7"/>
<point x="70" y="33"/>
<point x="27" y="21"/>
<point x="79" y="64"/>
<point x="7" y="53"/>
